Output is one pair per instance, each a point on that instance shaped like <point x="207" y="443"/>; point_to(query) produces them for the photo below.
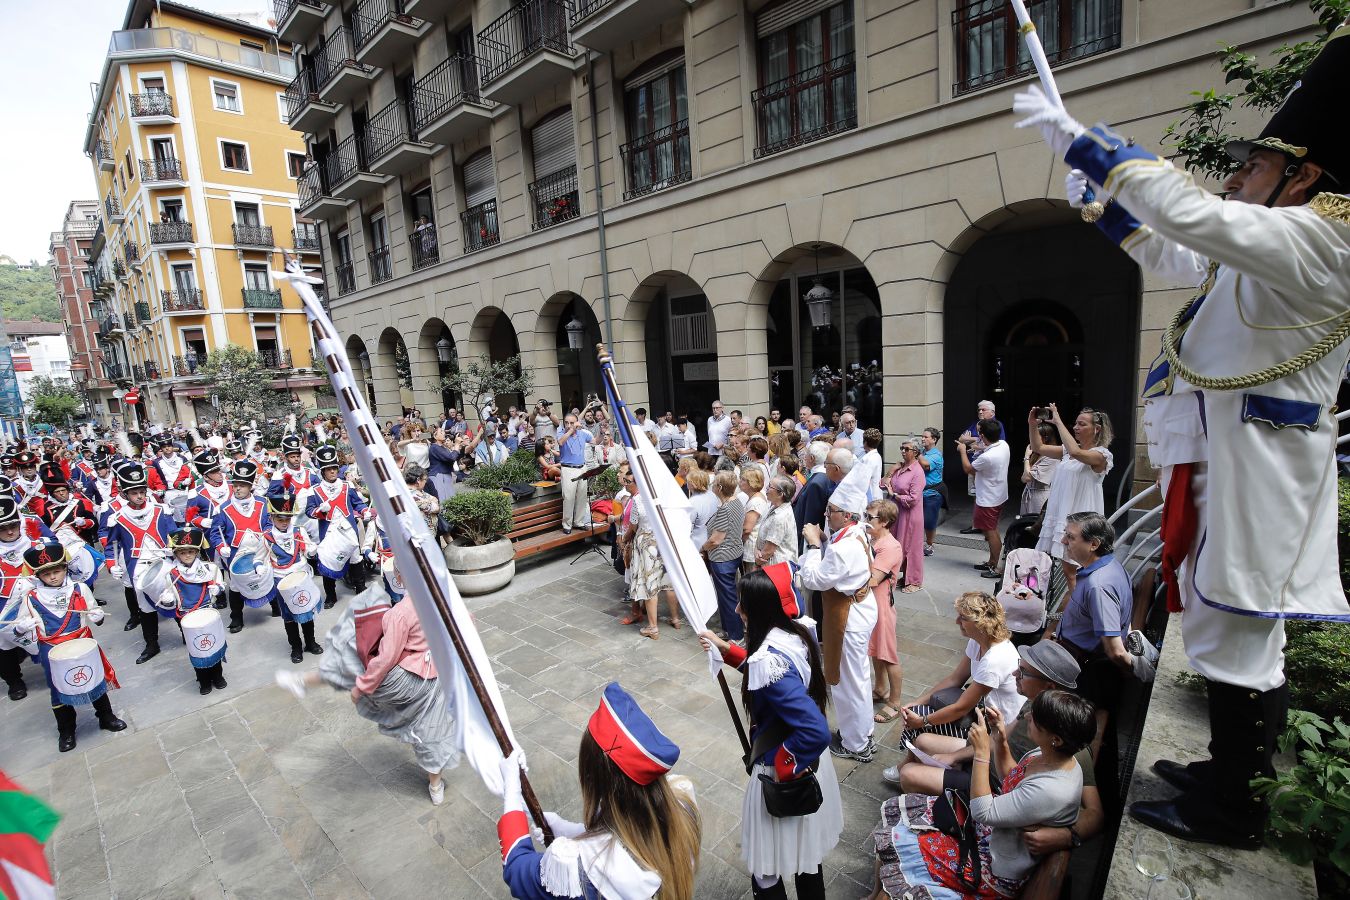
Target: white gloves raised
<point x="1075" y="187"/>
<point x="1057" y="127"/>
<point x="204" y="522"/>
<point x="224" y="551"/>
<point x="96" y="615"/>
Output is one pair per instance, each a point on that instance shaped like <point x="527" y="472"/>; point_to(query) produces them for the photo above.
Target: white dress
<point x="417" y="453"/>
<point x="1076" y="488"/>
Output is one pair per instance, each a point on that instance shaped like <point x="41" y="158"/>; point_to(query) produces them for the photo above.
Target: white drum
<point x="300" y="593"/>
<point x="205" y="635"/>
<point x="9" y="611"/>
<point x="152" y="574"/>
<point x="75" y="668"/>
<point x="251" y="573"/>
<point x="177" y="501"/>
<point x="337" y="548"/>
<point x="392" y="579"/>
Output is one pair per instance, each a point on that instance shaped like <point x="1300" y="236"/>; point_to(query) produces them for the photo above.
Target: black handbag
<point x="785" y="799"/>
<point x="946" y="697"/>
<point x="951" y="816"/>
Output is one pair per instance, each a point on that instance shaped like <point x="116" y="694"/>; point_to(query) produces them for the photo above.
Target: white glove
<point x="28" y="625"/>
<point x="372" y="556"/>
<point x="215" y="590"/>
<point x="1057" y="127"/>
<point x="324" y="507"/>
<point x="512" y="799"/>
<point x="167" y="599"/>
<point x="225" y="551"/>
<point x="562" y="827"/>
<point x="1144" y="670"/>
<point x="96" y="615"/>
<point x="1075" y="187"/>
<point x="204" y="522"/>
<point x="116" y="571"/>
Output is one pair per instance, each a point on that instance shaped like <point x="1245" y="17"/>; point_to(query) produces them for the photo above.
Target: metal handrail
<point x="387" y="129"/>
<point x="170" y="232"/>
<point x="480" y="226"/>
<point x="369" y="16"/>
<point x="181" y="300"/>
<point x="151" y="103"/>
<point x="381" y="267"/>
<point x="161" y="169"/>
<point x="252" y="235"/>
<point x="305" y="237"/>
<point x="521" y="31"/>
<point x="820" y="78"/>
<point x="649" y="152"/>
<point x="1134" y="501"/>
<point x="346" y="278"/>
<point x="1147" y="516"/>
<point x="332" y="55"/>
<point x="555" y="198"/>
<point x="449" y="83"/>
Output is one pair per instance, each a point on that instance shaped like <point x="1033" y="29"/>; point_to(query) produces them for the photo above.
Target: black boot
<point x="297" y="649"/>
<point x="217" y="675"/>
<point x="107" y="719"/>
<point x="220" y="602"/>
<point x="1244" y="725"/>
<point x="65" y="727"/>
<point x="276" y="609"/>
<point x="810" y="885"/>
<point x="329" y="592"/>
<point x="11" y="672"/>
<point x="311" y="645"/>
<point x="149" y="631"/>
<point x="236" y="612"/>
<point x="203" y="681"/>
<point x="775" y="891"/>
<point x="133" y="607"/>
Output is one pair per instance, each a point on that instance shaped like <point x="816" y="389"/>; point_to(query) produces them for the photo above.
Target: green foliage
<point x="237" y="379"/>
<point x="29" y="293"/>
<point x="402" y="365"/>
<point x="1317" y="664"/>
<point x="479" y="517"/>
<point x="1310" y="803"/>
<point x="1343" y="529"/>
<point x="51" y="402"/>
<point x="605" y="485"/>
<point x="483" y="379"/>
<point x="520" y="468"/>
<point x="1200" y="136"/>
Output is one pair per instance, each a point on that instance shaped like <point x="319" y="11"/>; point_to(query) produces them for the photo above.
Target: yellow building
<point x="196" y="172"/>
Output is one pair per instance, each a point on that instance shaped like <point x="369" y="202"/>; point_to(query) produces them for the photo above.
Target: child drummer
<point x="55" y="611"/>
<point x="194" y="581"/>
<point x="291" y="551"/>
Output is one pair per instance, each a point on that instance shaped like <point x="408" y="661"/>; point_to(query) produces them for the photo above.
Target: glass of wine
<point x="1164" y="887"/>
<point x="1153" y="854"/>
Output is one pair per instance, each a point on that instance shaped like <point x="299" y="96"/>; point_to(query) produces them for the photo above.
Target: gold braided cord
<point x="1178" y="369"/>
<point x="1331" y="206"/>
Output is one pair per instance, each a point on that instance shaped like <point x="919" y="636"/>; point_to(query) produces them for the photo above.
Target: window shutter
<point x="479" y="184"/>
<point x="552" y="145"/>
<point x="784" y="14"/>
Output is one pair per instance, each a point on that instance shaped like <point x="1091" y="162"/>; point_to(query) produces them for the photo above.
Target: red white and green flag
<point x="25" y="825"/>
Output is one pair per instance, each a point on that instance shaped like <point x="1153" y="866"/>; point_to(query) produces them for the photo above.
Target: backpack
<point x="1026" y="579"/>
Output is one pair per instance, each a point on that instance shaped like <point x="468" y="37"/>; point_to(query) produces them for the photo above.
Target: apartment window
<point x="226" y="96"/>
<point x="426" y="249"/>
<point x="807" y="89"/>
<point x="251" y="45"/>
<point x="152" y="85"/>
<point x="380" y="264"/>
<point x="265" y="338"/>
<point x="234" y="156"/>
<point x="989" y="48"/>
<point x="88" y="279"/>
<point x="255" y="278"/>
<point x="480" y="200"/>
<point x="554" y="191"/>
<point x="247" y="214"/>
<point x="342" y="263"/>
<point x="171" y="211"/>
<point x="657" y="118"/>
<point x="295" y="164"/>
<point x="184" y="278"/>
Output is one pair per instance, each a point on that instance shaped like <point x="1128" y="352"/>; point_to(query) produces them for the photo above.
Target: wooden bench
<point x="537" y="528"/>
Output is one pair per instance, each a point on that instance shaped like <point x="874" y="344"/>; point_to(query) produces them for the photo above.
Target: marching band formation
<point x="188" y="531"/>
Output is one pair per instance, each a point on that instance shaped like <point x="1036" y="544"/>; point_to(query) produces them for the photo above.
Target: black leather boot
<point x="236" y="612"/>
<point x="297" y="649"/>
<point x="311" y="645"/>
<point x="149" y="631"/>
<point x="203" y="681"/>
<point x="329" y="592"/>
<point x="217" y="676"/>
<point x="107" y="719"/>
<point x="775" y="891"/>
<point x="11" y="672"/>
<point x="132" y="607"/>
<point x="276" y="609"/>
<point x="810" y="885"/>
<point x="65" y="727"/>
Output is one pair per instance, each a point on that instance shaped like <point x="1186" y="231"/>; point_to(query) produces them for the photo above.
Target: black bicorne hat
<point x="187" y="536"/>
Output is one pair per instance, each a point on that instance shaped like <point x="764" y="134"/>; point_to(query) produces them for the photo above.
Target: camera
<point x="1042" y="413"/>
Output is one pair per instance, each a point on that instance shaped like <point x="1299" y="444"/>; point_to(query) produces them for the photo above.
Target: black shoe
<point x="329" y="604"/>
<point x="220" y="602"/>
<point x="219" y="683"/>
<point x="971" y="531"/>
<point x="65" y="743"/>
<point x="18" y="691"/>
<point x="132" y="624"/>
<point x="100" y="602"/>
<point x="111" y="723"/>
<point x="276" y="613"/>
<point x="991" y="573"/>
<point x="297" y="655"/>
<point x="1165" y="816"/>
<point x="204" y="688"/>
<point x="236" y="627"/>
<point x="1182" y="777"/>
<point x="314" y="647"/>
<point x="149" y="653"/>
<point x="981" y="567"/>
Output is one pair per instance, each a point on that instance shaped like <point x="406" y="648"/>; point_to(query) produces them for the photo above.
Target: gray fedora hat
<point x="1052" y="661"/>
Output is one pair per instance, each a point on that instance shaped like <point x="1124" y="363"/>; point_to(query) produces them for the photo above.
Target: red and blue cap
<point x="629" y="737"/>
<point x="784" y="577"/>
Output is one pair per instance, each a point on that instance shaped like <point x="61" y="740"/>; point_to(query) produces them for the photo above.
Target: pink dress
<point x="886" y="557"/>
<point x="907" y="491"/>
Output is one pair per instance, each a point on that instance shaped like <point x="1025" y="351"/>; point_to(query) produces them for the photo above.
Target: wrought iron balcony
<point x="275" y="359"/>
<point x="657" y="160"/>
<point x="151" y="370"/>
<point x="555" y="199"/>
<point x="103" y="155"/>
<point x="171" y="232"/>
<point x="338" y="74"/>
<point x="252" y="235"/>
<point x="132" y="251"/>
<point x="111" y="326"/>
<point x="152" y="104"/>
<point x="257" y="298"/>
<point x="426" y="251"/>
<point x="137" y="372"/>
<point x="346" y="278"/>
<point x="297" y="18"/>
<point x="383" y="31"/>
<point x="603" y="25"/>
<point x="114" y="371"/>
<point x="183" y="300"/>
<point x="119" y="268"/>
<point x="381" y="268"/>
<point x="305" y="237"/>
<point x="348" y="172"/>
<point x="161" y="169"/>
<point x="392" y="146"/>
<point x="446" y="106"/>
<point x="480" y="226"/>
<point x="128" y="321"/>
<point x="143" y="312"/>
<point x="113" y="207"/>
<point x="526" y="49"/>
<point x="989" y="48"/>
<point x="813" y="104"/>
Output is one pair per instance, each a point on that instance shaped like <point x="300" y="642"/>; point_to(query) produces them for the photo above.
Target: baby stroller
<point x="1026" y="584"/>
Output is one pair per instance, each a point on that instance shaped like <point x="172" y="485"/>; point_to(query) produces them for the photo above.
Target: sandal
<point x="879" y="698"/>
<point x="676" y="623"/>
<point x="911" y="589"/>
<point x="651" y="631"/>
<point x="887" y="714"/>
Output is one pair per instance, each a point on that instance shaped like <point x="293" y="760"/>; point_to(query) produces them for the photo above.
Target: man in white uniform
<point x="1239" y="411"/>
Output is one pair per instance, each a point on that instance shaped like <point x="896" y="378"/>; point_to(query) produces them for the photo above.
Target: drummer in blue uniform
<point x="205" y="503"/>
<point x="138" y="529"/>
<point x="15" y="539"/>
<point x="291" y="551"/>
<point x="245" y="514"/>
<point x="329" y="499"/>
<point x="54" y="611"/>
<point x="194" y="582"/>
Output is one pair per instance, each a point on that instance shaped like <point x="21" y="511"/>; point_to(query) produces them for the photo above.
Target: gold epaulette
<point x="1332" y="206"/>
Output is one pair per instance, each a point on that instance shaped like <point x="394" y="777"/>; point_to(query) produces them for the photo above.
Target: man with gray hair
<point x="809" y="507"/>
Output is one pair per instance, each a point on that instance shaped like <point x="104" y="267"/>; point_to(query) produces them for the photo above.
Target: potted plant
<point x="519" y="468"/>
<point x="480" y="558"/>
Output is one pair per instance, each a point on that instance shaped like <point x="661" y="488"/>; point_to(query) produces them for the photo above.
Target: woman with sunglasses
<point x="1084" y="463"/>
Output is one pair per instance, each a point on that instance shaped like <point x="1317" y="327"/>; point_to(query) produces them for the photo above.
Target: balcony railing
<point x="143" y="312"/>
<point x="275" y="359"/>
<point x="335" y="53"/>
<point x="132" y="251"/>
<point x="258" y="298"/>
<point x="370" y="15"/>
<point x="815" y="103"/>
<point x="103" y="152"/>
<point x="152" y="370"/>
<point x="381" y="269"/>
<point x="310" y="186"/>
<point x="113" y="207"/>
<point x="451" y="82"/>
<point x="252" y="235"/>
<point x="480" y="226"/>
<point x="657" y="160"/>
<point x="114" y="371"/>
<point x="137" y="372"/>
<point x="426" y="251"/>
<point x="299" y="92"/>
<point x="346" y="278"/>
<point x="110" y="325"/>
<point x="346" y="159"/>
<point x="128" y="321"/>
<point x="284" y="8"/>
<point x="555" y="198"/>
<point x="522" y="30"/>
<point x="165" y="169"/>
<point x="170" y="232"/>
<point x="989" y="49"/>
<point x="181" y="367"/>
<point x="387" y="129"/>
<point x="180" y="41"/>
<point x="119" y="268"/>
<point x="151" y="103"/>
<point x="305" y="237"/>
<point x="183" y="300"/>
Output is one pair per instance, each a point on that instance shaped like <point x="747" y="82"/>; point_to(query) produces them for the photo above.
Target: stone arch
<point x="391" y="368"/>
<point x="493" y="335"/>
<point x="571" y="374"/>
<point x="666" y="320"/>
<point x="361" y="364"/>
<point x="436" y="356"/>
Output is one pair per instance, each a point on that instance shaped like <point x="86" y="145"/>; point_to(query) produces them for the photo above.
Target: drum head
<point x="74" y="649"/>
<point x="200" y="618"/>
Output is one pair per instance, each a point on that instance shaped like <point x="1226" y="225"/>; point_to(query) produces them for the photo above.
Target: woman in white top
<point x="756" y="508"/>
<point x="777" y="536"/>
<point x="415" y="448"/>
<point x="1038" y="472"/>
<point x="1078" y="482"/>
<point x="702" y="504"/>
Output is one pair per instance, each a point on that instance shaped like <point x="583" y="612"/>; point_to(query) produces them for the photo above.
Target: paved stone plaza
<point x="249" y="793"/>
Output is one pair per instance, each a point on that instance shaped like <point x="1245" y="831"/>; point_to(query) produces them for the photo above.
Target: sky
<point x="55" y="49"/>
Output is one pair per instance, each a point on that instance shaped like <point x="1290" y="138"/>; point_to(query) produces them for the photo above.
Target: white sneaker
<point x="891" y="775"/>
<point x="437" y="792"/>
<point x="292" y="681"/>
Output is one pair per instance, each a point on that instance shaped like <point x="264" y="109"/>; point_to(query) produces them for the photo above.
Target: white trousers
<point x="853" y="694"/>
<point x="576" y="511"/>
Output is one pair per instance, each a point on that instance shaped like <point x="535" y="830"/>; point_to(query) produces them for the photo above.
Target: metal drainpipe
<point x="599" y="201"/>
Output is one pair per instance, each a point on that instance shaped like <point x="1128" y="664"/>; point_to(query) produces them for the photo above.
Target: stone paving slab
<point x="249" y="793"/>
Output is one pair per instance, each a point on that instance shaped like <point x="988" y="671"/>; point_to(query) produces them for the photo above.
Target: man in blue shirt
<point x="576" y="491"/>
<point x="931" y="462"/>
<point x="1097" y="617"/>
